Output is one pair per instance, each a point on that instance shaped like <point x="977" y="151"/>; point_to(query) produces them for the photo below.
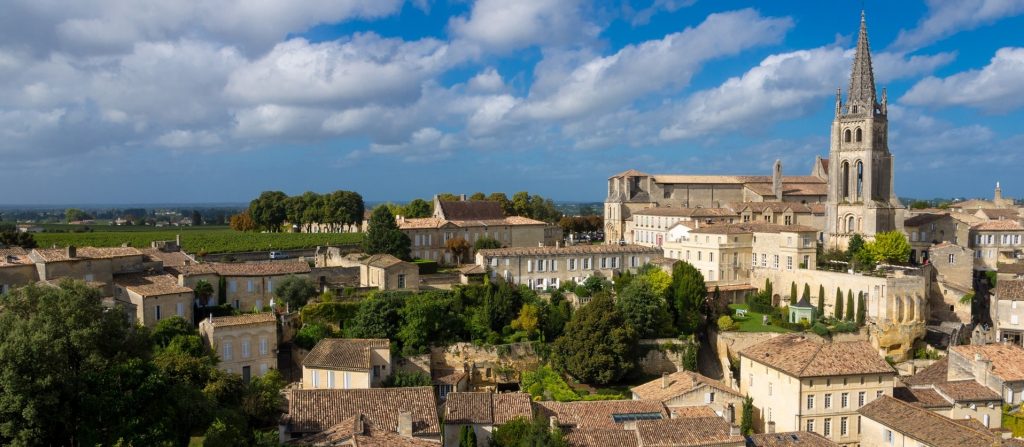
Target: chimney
<point x="734" y="430"/>
<point x="777" y="180"/>
<point x="462" y="197"/>
<point x="770" y="427"/>
<point x="913" y="368"/>
<point x="664" y="380"/>
<point x="209" y="318"/>
<point x="553" y="422"/>
<point x="730" y="413"/>
<point x="72" y="252"/>
<point x="359" y="424"/>
<point x="558" y="244"/>
<point x="405" y="423"/>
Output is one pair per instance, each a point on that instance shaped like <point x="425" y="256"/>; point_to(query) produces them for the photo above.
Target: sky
<point x="199" y="101"/>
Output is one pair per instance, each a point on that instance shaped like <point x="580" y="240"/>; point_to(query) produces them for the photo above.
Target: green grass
<point x="199" y="239"/>
<point x="753" y="321"/>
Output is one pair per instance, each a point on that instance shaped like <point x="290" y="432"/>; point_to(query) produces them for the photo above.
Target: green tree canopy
<point x="377" y="317"/>
<point x="597" y="346"/>
<point x="849" y="306"/>
<point x="521" y="432"/>
<point x="383" y="235"/>
<point x="295" y="291"/>
<point x="269" y="210"/>
<point x="418" y="208"/>
<point x="890" y="247"/>
<point x="645" y="310"/>
<point x="485" y="243"/>
<point x="688" y="295"/>
<point x="839" y="304"/>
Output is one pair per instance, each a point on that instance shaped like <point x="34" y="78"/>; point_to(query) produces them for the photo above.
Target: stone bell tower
<point x="860" y="194"/>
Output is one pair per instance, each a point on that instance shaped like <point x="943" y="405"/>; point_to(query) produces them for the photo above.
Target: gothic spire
<point x="862" y="78"/>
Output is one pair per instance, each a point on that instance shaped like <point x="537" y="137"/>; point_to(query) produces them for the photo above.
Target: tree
<point x="502" y="199"/>
<point x="14" y="238"/>
<point x="458" y="247"/>
<point x="269" y="210"/>
<point x="427" y="319"/>
<point x="377" y="317"/>
<point x="849" y="305"/>
<point x="242" y="222"/>
<point x="418" y="208"/>
<point x="890" y="247"/>
<point x="855" y="245"/>
<point x="203" y="291"/>
<point x="169" y="328"/>
<point x="528" y="320"/>
<point x="807" y="293"/>
<point x="557" y="312"/>
<point x="197" y="218"/>
<point x="597" y="346"/>
<point x="792" y="293"/>
<point x="75" y="215"/>
<point x="311" y="334"/>
<point x="485" y="243"/>
<point x="862" y="310"/>
<point x="404" y="379"/>
<point x="747" y="416"/>
<point x="839" y="304"/>
<point x="467" y="436"/>
<point x="688" y="294"/>
<point x="263" y="400"/>
<point x="295" y="291"/>
<point x="658" y="278"/>
<point x="645" y="310"/>
<point x="821" y="300"/>
<point x="521" y="432"/>
<point x="383" y="235"/>
<point x="224" y="434"/>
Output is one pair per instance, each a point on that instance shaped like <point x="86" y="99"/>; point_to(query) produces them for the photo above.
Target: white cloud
<point x="362" y="70"/>
<point x="643" y="16"/>
<point x="500" y="25"/>
<point x="426" y="144"/>
<point x="997" y="87"/>
<point x="487" y="81"/>
<point x="188" y="139"/>
<point x="947" y="17"/>
<point x="783" y="86"/>
<point x="604" y="83"/>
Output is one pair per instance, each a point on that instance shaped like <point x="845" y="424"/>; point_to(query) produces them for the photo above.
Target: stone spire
<point x="862" y="78"/>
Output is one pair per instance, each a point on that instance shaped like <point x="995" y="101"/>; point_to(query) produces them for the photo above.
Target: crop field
<point x="197" y="239"/>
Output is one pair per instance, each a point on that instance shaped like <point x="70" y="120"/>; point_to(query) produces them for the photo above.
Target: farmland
<point x="195" y="239"/>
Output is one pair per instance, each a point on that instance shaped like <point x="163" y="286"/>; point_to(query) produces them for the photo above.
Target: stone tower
<point x="860" y="195"/>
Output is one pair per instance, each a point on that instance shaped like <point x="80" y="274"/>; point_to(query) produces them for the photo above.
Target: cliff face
<point x="896" y="340"/>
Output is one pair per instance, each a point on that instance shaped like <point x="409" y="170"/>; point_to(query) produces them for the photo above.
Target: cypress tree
<point x="383" y="235"/>
<point x="839" y="304"/>
<point x="792" y="293"/>
<point x="747" y="418"/>
<point x="849" y="305"/>
<point x="861" y="309"/>
<point x="807" y="293"/>
<point x="821" y="300"/>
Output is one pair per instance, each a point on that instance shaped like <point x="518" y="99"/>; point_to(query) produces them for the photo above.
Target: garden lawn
<point x="752" y="323"/>
<point x="199" y="239"/>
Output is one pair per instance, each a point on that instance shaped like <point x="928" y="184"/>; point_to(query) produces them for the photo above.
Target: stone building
<point x="156" y="296"/>
<point x="650" y="226"/>
<point x="245" y="344"/>
<point x="1000" y="367"/>
<point x="888" y="422"/>
<point x="90" y="264"/>
<point x="347" y="363"/>
<point x="372" y="417"/>
<point x="250" y="285"/>
<point x="928" y="229"/>
<point x="953" y="266"/>
<point x="546" y="267"/>
<point x="386" y="272"/>
<point x="996" y="241"/>
<point x="16" y="269"/>
<point x="1008" y="311"/>
<point x="482" y="412"/>
<point x="800" y="384"/>
<point x="687" y="389"/>
<point x="930" y="388"/>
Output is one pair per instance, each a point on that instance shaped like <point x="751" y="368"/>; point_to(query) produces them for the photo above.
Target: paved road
<point x="707" y="360"/>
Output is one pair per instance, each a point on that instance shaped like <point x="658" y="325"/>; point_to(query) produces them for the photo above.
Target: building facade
<point x="155" y="296"/>
<point x="245" y="344"/>
<point x="347" y="363"/>
<point x="548" y="267"/>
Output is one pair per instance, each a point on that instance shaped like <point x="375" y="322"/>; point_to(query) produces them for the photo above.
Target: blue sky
<point x="119" y="101"/>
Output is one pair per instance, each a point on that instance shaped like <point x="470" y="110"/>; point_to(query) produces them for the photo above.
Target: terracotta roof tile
<point x="573" y="249"/>
<point x="1007" y="360"/>
<point x="922" y="219"/>
<point x="1010" y="289"/>
<point x="269" y="268"/>
<point x="922" y="397"/>
<point x="998" y="225"/>
<point x="801" y="357"/>
<point x="924" y="425"/>
<point x="599" y="413"/>
<point x="60" y="254"/>
<point x="788" y="439"/>
<point x="604" y="437"/>
<point x="245" y="319"/>
<point x="680" y="382"/>
<point x="471" y="210"/>
<point x="740" y="228"/>
<point x="169" y="258"/>
<point x="344" y="353"/>
<point x="934" y="373"/>
<point x="446" y="376"/>
<point x="486" y="408"/>
<point x="381" y="260"/>
<point x="1013" y="269"/>
<point x="313" y="411"/>
<point x="151" y="284"/>
<point x="700" y="411"/>
<point x="966" y="391"/>
<point x="689" y="432"/>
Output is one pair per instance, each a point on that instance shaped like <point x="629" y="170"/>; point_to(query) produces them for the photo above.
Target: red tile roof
<point x="799" y="356"/>
<point x="344" y="353"/>
<point x="313" y="411"/>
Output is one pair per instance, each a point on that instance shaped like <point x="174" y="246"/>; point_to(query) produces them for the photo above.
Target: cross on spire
<point x="862" y="77"/>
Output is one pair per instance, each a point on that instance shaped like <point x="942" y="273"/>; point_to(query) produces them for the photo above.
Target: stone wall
<point x="657" y="359"/>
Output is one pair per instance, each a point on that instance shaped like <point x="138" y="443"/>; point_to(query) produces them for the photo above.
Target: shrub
<point x="311" y="334"/>
<point x="725" y="323"/>
<point x="426" y="266"/>
<point x="760" y="302"/>
<point x="845" y="327"/>
<point x="401" y="378"/>
<point x="820" y="329"/>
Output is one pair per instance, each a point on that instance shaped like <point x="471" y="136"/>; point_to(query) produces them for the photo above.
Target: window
<point x="315" y="378"/>
<point x="181" y="309"/>
<point x="985" y="420"/>
<point x="259" y="304"/>
<point x="699" y="255"/>
<point x="270" y="285"/>
<point x="572" y="264"/>
<point x="347" y="379"/>
<point x="775" y="262"/>
<point x="330" y="379"/>
<point x="887" y="436"/>
<point x="952" y="258"/>
<point x="250" y="286"/>
<point x="401" y="281"/>
<point x="764" y="260"/>
<point x="810" y="401"/>
<point x="860" y="399"/>
<point x="828" y="400"/>
<point x="844" y="400"/>
<point x="263" y="368"/>
<point x="810" y="425"/>
<point x="828" y="427"/>
<point x="768" y="411"/>
<point x="753" y="260"/>
<point x="751" y="380"/>
<point x="843" y="426"/>
<point x="604" y="262"/>
<point x="848" y="136"/>
<point x="264" y="346"/>
<point x="769" y="388"/>
<point x="228" y="351"/>
<point x="158" y="312"/>
<point x="245" y="349"/>
<point x="879" y="393"/>
<point x="789" y="263"/>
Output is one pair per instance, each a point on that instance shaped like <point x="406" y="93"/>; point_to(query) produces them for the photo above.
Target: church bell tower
<point x="860" y="196"/>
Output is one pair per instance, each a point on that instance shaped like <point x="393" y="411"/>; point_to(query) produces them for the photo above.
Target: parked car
<point x="278" y="255"/>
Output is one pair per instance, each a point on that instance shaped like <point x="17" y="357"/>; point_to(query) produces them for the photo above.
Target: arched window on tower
<point x="860" y="178"/>
<point x="845" y="187"/>
<point x="848" y="136"/>
<point x="850" y="228"/>
<point x="860" y="135"/>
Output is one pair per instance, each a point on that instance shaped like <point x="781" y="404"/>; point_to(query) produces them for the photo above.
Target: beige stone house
<point x="650" y="226"/>
<point x="954" y="269"/>
<point x="1008" y="311"/>
<point x="387" y="272"/>
<point x="888" y="421"/>
<point x="782" y="213"/>
<point x="789" y="439"/>
<point x="931" y="389"/>
<point x="727" y="254"/>
<point x="482" y="411"/>
<point x="686" y="389"/>
<point x="245" y="344"/>
<point x="156" y="296"/>
<point x="400" y="417"/>
<point x="1000" y="367"/>
<point x="926" y="230"/>
<point x="189" y="275"/>
<point x="801" y="384"/>
<point x="90" y="264"/>
<point x="546" y="267"/>
<point x="997" y="241"/>
<point x="250" y="285"/>
<point x="16" y="269"/>
<point x="347" y="363"/>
